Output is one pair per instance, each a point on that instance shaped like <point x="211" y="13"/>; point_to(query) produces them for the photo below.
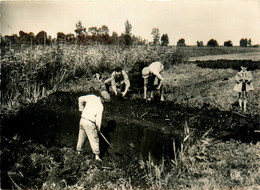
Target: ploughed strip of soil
<point x="38" y="144"/>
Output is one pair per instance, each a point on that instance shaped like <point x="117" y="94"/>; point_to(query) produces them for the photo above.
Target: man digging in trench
<point x="90" y="123"/>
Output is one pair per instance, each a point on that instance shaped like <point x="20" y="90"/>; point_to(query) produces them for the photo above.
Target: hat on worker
<point x="105" y="95"/>
<point x="145" y="72"/>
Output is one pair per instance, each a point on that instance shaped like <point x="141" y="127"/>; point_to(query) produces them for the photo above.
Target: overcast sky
<point x="192" y="20"/>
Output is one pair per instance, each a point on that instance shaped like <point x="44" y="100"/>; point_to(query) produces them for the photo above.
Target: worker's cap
<point x="105" y="95"/>
<point x="145" y="72"/>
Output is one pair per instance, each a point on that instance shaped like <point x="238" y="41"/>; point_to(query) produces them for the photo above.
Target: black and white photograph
<point x="130" y="94"/>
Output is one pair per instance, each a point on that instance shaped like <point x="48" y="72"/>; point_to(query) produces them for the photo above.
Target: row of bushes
<point x="225" y="64"/>
<point x="194" y="51"/>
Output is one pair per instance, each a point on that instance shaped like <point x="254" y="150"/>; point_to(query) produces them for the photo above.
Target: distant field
<point x="254" y="56"/>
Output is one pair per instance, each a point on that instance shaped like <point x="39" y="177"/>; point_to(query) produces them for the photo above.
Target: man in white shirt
<point x="119" y="82"/>
<point x="90" y="123"/>
<point x="152" y="74"/>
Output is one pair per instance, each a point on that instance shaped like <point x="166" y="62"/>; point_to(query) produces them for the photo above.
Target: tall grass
<point x="187" y="151"/>
<point x="201" y="162"/>
<point x="29" y="75"/>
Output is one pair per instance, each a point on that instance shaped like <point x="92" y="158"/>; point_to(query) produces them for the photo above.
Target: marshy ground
<point x="38" y="146"/>
<point x="196" y="139"/>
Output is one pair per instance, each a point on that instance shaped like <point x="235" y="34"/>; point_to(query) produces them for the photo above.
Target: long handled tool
<point x="104" y="137"/>
<point x="106" y="140"/>
<point x="111" y="152"/>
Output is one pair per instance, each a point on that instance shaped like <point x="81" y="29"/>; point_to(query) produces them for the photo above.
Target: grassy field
<point x="203" y="163"/>
<point x="194" y="86"/>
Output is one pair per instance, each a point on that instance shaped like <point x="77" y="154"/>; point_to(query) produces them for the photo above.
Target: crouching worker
<point x="90" y="123"/>
<point x="243" y="85"/>
<point x="118" y="83"/>
<point x="153" y="80"/>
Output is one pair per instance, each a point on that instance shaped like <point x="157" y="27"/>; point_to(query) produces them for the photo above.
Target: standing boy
<point x="243" y="85"/>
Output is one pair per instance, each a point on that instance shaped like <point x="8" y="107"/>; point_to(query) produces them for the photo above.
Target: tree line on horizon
<point x="100" y="35"/>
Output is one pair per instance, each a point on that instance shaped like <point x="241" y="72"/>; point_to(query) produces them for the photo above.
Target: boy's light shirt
<point x="92" y="108"/>
<point x="156" y="68"/>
